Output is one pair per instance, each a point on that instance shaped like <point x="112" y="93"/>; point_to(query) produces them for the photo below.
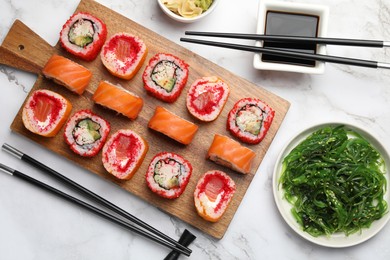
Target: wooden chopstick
<point x="173" y="244"/>
<point x="295" y="39"/>
<point x="292" y="54"/>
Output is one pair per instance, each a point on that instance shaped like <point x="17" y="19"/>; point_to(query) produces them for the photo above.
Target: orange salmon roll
<point x="67" y="73"/>
<point x="118" y="99"/>
<point x="173" y="126"/>
<point x="227" y="152"/>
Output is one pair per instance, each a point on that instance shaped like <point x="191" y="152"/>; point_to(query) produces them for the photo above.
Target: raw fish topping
<point x="46" y="109"/>
<point x="45" y="112"/>
<point x="213" y="193"/>
<point x="123" y="52"/>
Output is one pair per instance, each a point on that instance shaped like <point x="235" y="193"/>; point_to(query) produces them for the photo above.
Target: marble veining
<point x="35" y="225"/>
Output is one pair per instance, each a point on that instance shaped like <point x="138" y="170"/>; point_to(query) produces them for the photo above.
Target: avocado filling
<point x="164" y="74"/>
<point x="167" y="173"/>
<point x="86" y="131"/>
<point x="81" y="33"/>
<point x="249" y="119"/>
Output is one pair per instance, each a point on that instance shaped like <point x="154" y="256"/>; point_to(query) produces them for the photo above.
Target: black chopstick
<point x="292" y="54"/>
<point x="77" y="187"/>
<point x="295" y="39"/>
<point x="89" y="207"/>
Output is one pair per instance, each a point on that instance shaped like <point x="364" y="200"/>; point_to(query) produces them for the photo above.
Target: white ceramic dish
<point x="336" y="240"/>
<point x="317" y="10"/>
<point x="179" y="18"/>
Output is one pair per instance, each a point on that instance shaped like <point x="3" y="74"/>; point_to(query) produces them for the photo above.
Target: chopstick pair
<point x="147" y="231"/>
<point x="294" y="40"/>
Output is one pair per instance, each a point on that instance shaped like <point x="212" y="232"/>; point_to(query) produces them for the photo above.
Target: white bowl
<point x="182" y="19"/>
<point x="337" y="240"/>
<point x="316" y="10"/>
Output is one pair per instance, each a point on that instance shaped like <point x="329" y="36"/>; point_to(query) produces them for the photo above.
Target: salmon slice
<point x="45" y="112"/>
<point x="172" y="126"/>
<point x="227" y="152"/>
<point x="67" y="73"/>
<point x="118" y="99"/>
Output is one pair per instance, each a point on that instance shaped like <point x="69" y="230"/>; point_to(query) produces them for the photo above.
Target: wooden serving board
<point x="25" y="50"/>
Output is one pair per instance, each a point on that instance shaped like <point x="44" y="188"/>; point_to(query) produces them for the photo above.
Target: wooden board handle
<point x="24" y="49"/>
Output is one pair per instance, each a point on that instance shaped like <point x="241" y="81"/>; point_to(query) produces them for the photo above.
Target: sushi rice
<point x="165" y="77"/>
<point x="168" y="175"/>
<point x="86" y="133"/>
<point x="250" y="119"/>
<point x="83" y="35"/>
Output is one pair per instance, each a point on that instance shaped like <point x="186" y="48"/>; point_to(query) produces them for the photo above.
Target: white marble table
<point x="35" y="225"/>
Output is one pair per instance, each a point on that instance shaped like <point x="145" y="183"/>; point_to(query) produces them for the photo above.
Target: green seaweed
<point x="335" y="181"/>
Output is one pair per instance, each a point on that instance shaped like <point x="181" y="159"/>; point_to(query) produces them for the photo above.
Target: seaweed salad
<point x="335" y="181"/>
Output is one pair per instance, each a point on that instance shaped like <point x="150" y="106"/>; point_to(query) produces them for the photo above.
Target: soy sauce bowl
<point x="182" y="19"/>
<point x="295" y="10"/>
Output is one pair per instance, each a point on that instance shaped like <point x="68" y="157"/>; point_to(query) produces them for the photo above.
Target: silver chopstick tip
<point x="6" y="169"/>
<point x="12" y="150"/>
<point x="383" y="65"/>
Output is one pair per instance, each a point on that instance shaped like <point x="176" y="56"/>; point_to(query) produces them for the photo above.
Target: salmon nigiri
<point x="67" y="73"/>
<point x="173" y="126"/>
<point x="118" y="99"/>
<point x="230" y="153"/>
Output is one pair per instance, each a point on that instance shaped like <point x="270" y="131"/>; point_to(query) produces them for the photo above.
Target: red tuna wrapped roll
<point x="86" y="133"/>
<point x="165" y="77"/>
<point x="123" y="153"/>
<point x="250" y="119"/>
<point x="168" y="175"/>
<point x="213" y="194"/>
<point x="207" y="97"/>
<point x="123" y="55"/>
<point x="45" y="112"/>
<point x="83" y="35"/>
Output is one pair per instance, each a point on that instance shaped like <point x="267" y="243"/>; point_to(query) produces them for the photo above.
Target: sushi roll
<point x="250" y="119"/>
<point x="118" y="99"/>
<point x="67" y="73"/>
<point x="123" y="153"/>
<point x="45" y="112"/>
<point x="86" y="133"/>
<point x="83" y="35"/>
<point x="165" y="77"/>
<point x="168" y="175"/>
<point x="172" y="126"/>
<point x="213" y="194"/>
<point x="227" y="152"/>
<point x="123" y="55"/>
<point x="206" y="98"/>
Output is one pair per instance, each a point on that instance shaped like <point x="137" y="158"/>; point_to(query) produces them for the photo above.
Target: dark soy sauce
<point x="283" y="23"/>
